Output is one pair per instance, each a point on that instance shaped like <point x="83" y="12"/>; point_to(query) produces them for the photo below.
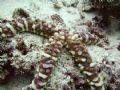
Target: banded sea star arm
<point x="87" y="38"/>
<point x="22" y="24"/>
<point x="46" y="66"/>
<point x="84" y="61"/>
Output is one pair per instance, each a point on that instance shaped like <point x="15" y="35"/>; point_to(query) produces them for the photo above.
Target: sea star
<point x="58" y="38"/>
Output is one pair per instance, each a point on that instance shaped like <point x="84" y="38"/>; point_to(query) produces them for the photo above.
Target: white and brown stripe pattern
<point x="22" y="24"/>
<point x="87" y="38"/>
<point x="46" y="66"/>
<point x="84" y="61"/>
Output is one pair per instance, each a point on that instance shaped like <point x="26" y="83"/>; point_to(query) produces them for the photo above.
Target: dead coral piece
<point x="20" y="12"/>
<point x="106" y="8"/>
<point x="58" y="20"/>
<point x="114" y="83"/>
<point x="5" y="47"/>
<point x="118" y="47"/>
<point x="6" y="70"/>
<point x="22" y="47"/>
